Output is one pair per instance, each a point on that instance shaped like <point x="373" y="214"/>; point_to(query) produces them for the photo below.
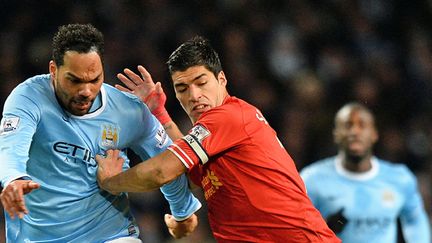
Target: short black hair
<point x="195" y="52"/>
<point x="81" y="38"/>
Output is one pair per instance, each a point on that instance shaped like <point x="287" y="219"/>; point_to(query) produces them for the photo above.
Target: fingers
<point x="121" y="88"/>
<point x="12" y="197"/>
<point x="98" y="159"/>
<point x="133" y="76"/>
<point x="30" y="186"/>
<point x="113" y="153"/>
<point x="109" y="154"/>
<point x="8" y="205"/>
<point x="111" y="157"/>
<point x="180" y="229"/>
<point x="171" y="225"/>
<point x="145" y="74"/>
<point x="170" y="221"/>
<point x="126" y="81"/>
<point x="158" y="88"/>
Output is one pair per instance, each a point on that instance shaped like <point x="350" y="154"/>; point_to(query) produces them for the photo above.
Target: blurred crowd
<point x="296" y="60"/>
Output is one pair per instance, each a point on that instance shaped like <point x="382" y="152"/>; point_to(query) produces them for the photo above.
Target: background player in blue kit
<point x="360" y="195"/>
<point x="53" y="125"/>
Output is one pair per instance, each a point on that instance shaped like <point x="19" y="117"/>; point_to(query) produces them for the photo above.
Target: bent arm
<point x="415" y="223"/>
<point x="145" y="176"/>
<point x="414" y="220"/>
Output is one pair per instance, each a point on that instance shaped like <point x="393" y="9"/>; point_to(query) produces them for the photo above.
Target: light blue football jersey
<point x="371" y="201"/>
<point x="56" y="149"/>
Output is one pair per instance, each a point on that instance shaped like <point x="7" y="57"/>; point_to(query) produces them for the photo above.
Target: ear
<point x="52" y="69"/>
<point x="336" y="137"/>
<point x="375" y="136"/>
<point x="222" y="79"/>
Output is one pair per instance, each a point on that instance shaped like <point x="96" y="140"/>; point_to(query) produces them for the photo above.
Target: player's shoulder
<point x="235" y="102"/>
<point x="397" y="170"/>
<point x="114" y="93"/>
<point x="219" y="114"/>
<point x="319" y="167"/>
<point x="31" y="90"/>
<point x="39" y="83"/>
<point x="234" y="108"/>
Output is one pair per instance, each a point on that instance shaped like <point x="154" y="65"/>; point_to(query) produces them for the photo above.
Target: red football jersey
<point x="253" y="190"/>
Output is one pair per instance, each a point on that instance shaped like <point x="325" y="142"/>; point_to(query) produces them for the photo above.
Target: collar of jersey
<point x="97" y="111"/>
<point x="360" y="176"/>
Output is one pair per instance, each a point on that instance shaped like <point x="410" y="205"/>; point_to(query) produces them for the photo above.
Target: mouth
<point x="82" y="105"/>
<point x="200" y="108"/>
<point x="355" y="145"/>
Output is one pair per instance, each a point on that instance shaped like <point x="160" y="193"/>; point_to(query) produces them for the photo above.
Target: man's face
<point x="355" y="133"/>
<point x="198" y="90"/>
<point x="78" y="81"/>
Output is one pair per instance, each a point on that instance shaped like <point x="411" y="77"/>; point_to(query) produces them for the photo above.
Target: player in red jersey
<point x="253" y="190"/>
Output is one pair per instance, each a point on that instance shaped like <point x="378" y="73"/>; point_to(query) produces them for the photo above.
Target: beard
<point x="69" y="103"/>
<point x="354" y="158"/>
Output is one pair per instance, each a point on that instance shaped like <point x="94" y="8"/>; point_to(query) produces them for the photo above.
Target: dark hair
<point x="194" y="52"/>
<point x="81" y="38"/>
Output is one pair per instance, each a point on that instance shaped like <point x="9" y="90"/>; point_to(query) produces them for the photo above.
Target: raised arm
<point x="152" y="95"/>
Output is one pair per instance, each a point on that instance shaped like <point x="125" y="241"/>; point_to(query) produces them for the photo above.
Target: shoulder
<point x="233" y="110"/>
<point x="399" y="171"/>
<point x="30" y="91"/>
<point x="319" y="168"/>
<point x="121" y="96"/>
<point x="38" y="83"/>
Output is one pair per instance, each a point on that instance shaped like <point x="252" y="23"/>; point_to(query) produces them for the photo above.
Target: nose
<point x="195" y="93"/>
<point x="85" y="90"/>
<point x="355" y="129"/>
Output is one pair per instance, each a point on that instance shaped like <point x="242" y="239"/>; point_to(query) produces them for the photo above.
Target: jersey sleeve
<point x="308" y="176"/>
<point x="18" y="125"/>
<point x="218" y="130"/>
<point x="414" y="219"/>
<point x="153" y="141"/>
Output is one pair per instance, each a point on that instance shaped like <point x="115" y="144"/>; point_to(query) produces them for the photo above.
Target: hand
<point x="150" y="93"/>
<point x="109" y="166"/>
<point x="183" y="228"/>
<point x="141" y="87"/>
<point x="337" y="221"/>
<point x="12" y="197"/>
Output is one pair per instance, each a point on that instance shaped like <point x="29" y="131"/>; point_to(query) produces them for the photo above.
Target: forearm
<point x="417" y="230"/>
<point x="146" y="176"/>
<point x="172" y="130"/>
<point x="131" y="181"/>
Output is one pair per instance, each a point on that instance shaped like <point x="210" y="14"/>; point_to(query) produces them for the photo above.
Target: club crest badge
<point x="388" y="198"/>
<point x="109" y="136"/>
<point x="9" y="125"/>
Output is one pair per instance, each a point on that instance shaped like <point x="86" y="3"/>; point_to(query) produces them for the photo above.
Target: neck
<point x="356" y="163"/>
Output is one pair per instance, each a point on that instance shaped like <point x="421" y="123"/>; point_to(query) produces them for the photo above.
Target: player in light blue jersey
<point x="360" y="195"/>
<point x="52" y="128"/>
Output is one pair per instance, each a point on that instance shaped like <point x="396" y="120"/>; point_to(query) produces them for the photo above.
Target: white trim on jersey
<point x="188" y="163"/>
<point x="361" y="176"/>
<point x="98" y="111"/>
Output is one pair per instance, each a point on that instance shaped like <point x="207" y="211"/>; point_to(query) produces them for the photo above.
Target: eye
<point x="74" y="80"/>
<point x="180" y="89"/>
<point x="201" y="83"/>
<point x="95" y="81"/>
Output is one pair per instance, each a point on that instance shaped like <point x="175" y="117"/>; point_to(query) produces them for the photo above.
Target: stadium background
<point x="298" y="61"/>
